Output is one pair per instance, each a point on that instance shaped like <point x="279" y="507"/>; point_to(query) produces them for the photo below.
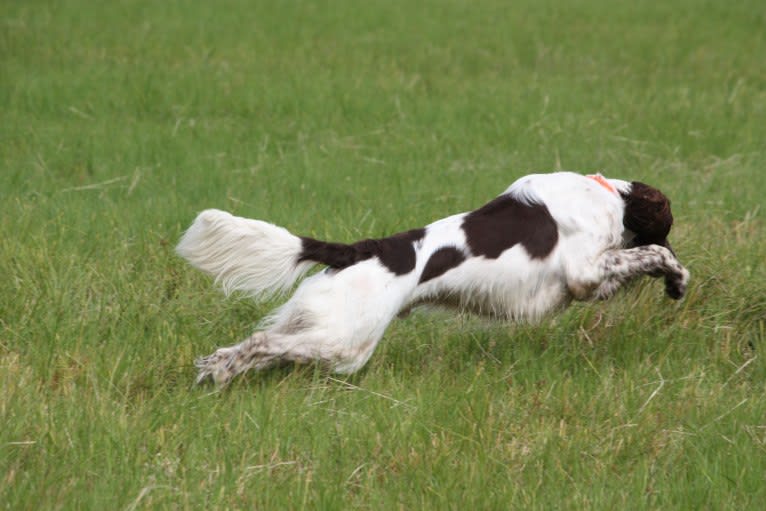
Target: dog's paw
<point x="219" y="366"/>
<point x="676" y="283"/>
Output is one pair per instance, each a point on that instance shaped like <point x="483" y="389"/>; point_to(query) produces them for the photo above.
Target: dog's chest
<point x="512" y="286"/>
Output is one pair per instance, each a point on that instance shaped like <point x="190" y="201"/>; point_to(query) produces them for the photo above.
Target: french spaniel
<point x="546" y="240"/>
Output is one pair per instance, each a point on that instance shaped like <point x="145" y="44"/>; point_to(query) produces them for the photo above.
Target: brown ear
<point x="647" y="213"/>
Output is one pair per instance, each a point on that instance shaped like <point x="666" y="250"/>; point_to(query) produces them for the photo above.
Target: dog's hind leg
<point x="225" y="363"/>
<point x="334" y="318"/>
<point x="266" y="348"/>
<point x="261" y="350"/>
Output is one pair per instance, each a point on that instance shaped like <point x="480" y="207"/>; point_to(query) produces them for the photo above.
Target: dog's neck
<point x="603" y="182"/>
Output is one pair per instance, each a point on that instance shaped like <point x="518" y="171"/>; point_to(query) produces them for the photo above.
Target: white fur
<point x="338" y="317"/>
<point x="251" y="256"/>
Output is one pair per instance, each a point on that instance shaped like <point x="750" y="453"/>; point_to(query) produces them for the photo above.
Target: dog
<point x="547" y="240"/>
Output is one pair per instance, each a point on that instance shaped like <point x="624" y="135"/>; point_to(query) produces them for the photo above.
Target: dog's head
<point x="647" y="215"/>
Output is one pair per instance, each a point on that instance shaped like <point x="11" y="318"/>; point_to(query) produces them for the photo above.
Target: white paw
<point x="220" y="366"/>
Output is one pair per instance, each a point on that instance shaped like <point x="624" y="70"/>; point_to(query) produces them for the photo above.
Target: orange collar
<point x="603" y="182"/>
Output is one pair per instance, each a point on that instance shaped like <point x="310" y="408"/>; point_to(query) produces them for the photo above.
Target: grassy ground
<point x="120" y="120"/>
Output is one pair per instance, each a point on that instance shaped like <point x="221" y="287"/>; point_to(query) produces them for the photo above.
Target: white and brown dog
<point x="548" y="239"/>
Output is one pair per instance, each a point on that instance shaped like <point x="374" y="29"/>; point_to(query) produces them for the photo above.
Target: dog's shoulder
<point x="575" y="201"/>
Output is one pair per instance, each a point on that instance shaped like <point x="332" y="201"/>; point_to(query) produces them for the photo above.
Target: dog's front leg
<point x="617" y="267"/>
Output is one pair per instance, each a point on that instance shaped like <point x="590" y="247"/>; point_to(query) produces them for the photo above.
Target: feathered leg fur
<point x="620" y="266"/>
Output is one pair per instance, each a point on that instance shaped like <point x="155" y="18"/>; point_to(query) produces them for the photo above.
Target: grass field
<point x="119" y="121"/>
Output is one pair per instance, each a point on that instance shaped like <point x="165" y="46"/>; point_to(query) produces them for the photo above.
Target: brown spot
<point x="396" y="253"/>
<point x="334" y="255"/>
<point x="647" y="214"/>
<point x="506" y="221"/>
<point x="440" y="262"/>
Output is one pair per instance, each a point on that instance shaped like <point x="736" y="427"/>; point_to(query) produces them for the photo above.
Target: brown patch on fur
<point x="506" y="221"/>
<point x="647" y="214"/>
<point x="396" y="253"/>
<point x="440" y="262"/>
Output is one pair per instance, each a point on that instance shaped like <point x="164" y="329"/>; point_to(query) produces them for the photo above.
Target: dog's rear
<point x="334" y="317"/>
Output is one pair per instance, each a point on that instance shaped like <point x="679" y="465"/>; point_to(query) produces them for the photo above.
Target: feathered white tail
<point x="251" y="256"/>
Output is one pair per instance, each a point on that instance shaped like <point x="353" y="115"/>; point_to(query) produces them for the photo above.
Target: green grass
<point x="120" y="120"/>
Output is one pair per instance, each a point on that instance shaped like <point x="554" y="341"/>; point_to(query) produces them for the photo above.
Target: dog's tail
<point x="255" y="257"/>
<point x="259" y="258"/>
